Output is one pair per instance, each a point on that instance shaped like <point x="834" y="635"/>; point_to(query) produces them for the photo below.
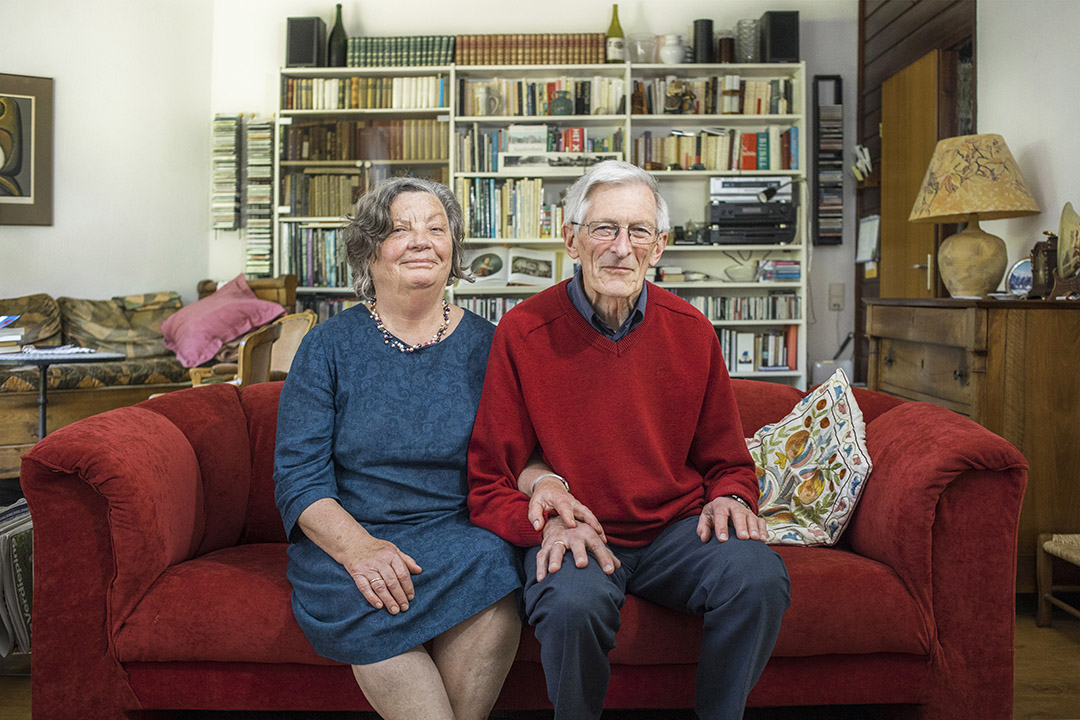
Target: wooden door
<point x="909" y="132"/>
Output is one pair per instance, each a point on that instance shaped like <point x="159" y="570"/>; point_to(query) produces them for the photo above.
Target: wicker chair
<point x="1067" y="548"/>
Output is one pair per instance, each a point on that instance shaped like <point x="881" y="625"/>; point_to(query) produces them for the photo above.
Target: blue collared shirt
<point x="576" y="290"/>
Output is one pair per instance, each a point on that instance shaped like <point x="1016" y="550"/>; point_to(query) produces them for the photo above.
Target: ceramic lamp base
<point x="972" y="262"/>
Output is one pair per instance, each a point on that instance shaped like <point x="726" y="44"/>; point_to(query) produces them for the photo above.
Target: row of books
<point x="225" y="172"/>
<point x="534" y="97"/>
<point x="772" y="349"/>
<point x="530" y="49"/>
<point x="316" y="255"/>
<point x="776" y="305"/>
<point x="325" y="307"/>
<point x="400" y="51"/>
<point x="259" y="212"/>
<point x="719" y="149"/>
<point x="484" y="149"/>
<point x="16" y="577"/>
<point x="489" y="307"/>
<point x="714" y="95"/>
<point x="507" y="208"/>
<point x="412" y="139"/>
<point x="365" y="93"/>
<point x="326" y="193"/>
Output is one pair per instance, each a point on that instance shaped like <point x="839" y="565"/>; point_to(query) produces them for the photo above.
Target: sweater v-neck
<point x="593" y="336"/>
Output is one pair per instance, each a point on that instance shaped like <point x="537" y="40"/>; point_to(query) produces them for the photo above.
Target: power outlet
<point x="836" y="296"/>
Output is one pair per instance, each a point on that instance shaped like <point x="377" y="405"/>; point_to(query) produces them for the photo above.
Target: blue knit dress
<point x="385" y="433"/>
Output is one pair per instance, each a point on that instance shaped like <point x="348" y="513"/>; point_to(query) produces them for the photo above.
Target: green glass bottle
<point x="337" y="47"/>
<point x="616" y="41"/>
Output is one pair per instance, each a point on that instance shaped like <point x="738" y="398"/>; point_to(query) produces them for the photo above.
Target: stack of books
<point x="10" y="336"/>
<point x="780" y="270"/>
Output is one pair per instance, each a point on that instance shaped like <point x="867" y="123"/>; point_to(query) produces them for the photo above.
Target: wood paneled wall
<point x="892" y="35"/>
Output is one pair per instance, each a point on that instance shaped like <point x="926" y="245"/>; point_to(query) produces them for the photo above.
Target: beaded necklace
<point x="389" y="339"/>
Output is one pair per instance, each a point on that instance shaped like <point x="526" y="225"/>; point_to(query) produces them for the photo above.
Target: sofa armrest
<point x="942" y="508"/>
<point x="919" y="450"/>
<point x="151" y="491"/>
<point x="109" y="517"/>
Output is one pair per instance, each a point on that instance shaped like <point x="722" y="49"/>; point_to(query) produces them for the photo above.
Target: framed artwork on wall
<point x="26" y="150"/>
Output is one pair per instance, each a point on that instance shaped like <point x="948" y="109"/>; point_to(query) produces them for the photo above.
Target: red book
<point x="575" y="139"/>
<point x="748" y="155"/>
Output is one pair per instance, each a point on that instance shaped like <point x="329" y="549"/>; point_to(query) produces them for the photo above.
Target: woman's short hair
<point x="613" y="172"/>
<point x="372" y="223"/>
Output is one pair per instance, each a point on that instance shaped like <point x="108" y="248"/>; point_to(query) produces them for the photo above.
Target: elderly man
<point x="621" y="387"/>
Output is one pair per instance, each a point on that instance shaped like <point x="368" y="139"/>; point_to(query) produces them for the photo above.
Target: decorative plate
<point x="1068" y="251"/>
<point x="1018" y="281"/>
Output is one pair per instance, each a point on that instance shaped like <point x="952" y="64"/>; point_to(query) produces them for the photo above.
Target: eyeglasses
<point x="608" y="231"/>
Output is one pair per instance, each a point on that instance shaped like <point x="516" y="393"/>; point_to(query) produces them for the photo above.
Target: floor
<point x="1047" y="685"/>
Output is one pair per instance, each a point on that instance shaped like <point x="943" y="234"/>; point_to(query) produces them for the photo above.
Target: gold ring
<point x="377" y="577"/>
<point x="560" y="542"/>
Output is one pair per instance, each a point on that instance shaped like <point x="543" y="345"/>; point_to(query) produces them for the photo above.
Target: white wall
<point x="249" y="48"/>
<point x="131" y="170"/>
<point x="1027" y="57"/>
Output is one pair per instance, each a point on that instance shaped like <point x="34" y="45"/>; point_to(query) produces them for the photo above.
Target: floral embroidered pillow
<point x="812" y="466"/>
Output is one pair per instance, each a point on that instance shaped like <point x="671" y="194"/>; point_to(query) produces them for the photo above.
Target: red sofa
<point x="160" y="574"/>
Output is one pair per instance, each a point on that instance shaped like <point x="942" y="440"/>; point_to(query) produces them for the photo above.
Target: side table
<point x="43" y="359"/>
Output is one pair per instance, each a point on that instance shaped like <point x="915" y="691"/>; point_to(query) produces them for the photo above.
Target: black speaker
<point x="305" y="44"/>
<point x="780" y="36"/>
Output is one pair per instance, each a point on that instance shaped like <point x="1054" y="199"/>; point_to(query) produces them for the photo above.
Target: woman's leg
<point x="474" y="657"/>
<point x="405" y="687"/>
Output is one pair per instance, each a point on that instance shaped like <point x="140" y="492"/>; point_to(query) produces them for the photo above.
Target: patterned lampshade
<point x="972" y="174"/>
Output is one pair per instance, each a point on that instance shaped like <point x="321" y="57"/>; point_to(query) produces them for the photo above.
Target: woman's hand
<point x="382" y="572"/>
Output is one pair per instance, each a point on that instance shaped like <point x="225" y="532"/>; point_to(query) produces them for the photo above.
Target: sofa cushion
<point x="812" y="466"/>
<point x="147" y="371"/>
<point x="233" y="604"/>
<point x="39" y="316"/>
<point x="130" y="325"/>
<point x="842" y="604"/>
<point x="196" y="332"/>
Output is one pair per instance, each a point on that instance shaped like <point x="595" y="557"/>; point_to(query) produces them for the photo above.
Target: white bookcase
<point x="467" y="108"/>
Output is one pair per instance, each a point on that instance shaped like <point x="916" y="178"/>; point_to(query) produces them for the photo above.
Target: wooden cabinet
<point x="1009" y="365"/>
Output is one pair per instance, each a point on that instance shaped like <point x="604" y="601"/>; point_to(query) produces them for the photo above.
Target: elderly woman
<point x="374" y="424"/>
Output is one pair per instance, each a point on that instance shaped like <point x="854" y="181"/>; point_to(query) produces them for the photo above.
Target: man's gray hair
<point x="612" y="172"/>
<point x="372" y="223"/>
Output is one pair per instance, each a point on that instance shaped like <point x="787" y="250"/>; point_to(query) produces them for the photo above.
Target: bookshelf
<point x="477" y="119"/>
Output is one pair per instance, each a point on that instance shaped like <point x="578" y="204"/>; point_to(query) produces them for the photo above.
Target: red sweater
<point x="645" y="430"/>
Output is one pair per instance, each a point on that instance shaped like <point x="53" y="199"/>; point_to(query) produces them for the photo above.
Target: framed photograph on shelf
<point x="26" y="150"/>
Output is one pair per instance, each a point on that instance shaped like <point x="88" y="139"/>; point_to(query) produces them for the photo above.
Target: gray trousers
<point x="739" y="587"/>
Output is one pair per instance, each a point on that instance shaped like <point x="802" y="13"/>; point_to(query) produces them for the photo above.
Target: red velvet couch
<point x="160" y="574"/>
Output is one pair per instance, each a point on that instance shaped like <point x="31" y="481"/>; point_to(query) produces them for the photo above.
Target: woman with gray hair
<point x="388" y="573"/>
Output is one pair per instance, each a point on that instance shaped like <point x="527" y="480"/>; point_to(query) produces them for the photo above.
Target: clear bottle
<point x="337" y="47"/>
<point x="616" y="41"/>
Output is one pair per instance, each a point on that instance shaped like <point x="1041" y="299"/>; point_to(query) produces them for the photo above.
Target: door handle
<point x="929" y="267"/>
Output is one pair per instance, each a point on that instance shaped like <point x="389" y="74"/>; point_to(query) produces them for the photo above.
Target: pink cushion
<point x="196" y="332"/>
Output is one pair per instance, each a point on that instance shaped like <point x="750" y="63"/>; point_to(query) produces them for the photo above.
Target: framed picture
<point x="26" y="150"/>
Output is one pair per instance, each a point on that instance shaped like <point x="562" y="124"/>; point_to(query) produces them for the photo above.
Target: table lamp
<point x="972" y="177"/>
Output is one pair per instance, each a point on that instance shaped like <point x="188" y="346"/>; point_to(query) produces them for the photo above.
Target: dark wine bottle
<point x="337" y="48"/>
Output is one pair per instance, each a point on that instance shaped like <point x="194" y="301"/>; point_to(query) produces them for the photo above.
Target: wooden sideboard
<point x="1013" y="366"/>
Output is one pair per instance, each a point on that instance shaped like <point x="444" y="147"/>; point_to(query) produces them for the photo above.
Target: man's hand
<point x="551" y="496"/>
<point x="579" y="540"/>
<point x="715" y="516"/>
